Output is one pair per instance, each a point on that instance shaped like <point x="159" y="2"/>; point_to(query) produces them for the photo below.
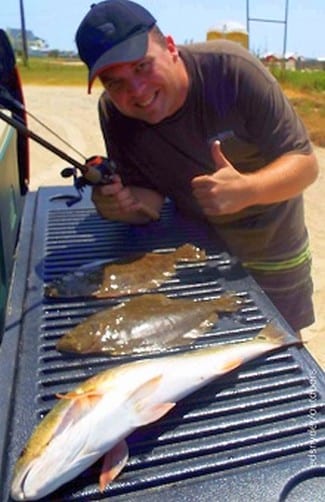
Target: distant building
<point x="311" y="64"/>
<point x="229" y="30"/>
<point x="272" y="59"/>
<point x="35" y="44"/>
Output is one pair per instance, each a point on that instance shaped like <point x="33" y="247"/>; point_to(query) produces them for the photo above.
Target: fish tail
<point x="276" y="335"/>
<point x="228" y="302"/>
<point x="189" y="252"/>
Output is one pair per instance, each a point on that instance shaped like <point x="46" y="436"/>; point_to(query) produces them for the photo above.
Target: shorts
<point x="291" y="292"/>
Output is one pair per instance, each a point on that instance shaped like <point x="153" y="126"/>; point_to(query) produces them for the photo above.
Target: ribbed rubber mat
<point x="258" y="417"/>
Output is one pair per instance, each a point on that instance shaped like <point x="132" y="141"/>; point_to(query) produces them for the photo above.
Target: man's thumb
<point x="219" y="159"/>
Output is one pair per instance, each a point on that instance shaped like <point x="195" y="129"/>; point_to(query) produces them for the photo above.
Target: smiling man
<point x="211" y="129"/>
<point x="152" y="88"/>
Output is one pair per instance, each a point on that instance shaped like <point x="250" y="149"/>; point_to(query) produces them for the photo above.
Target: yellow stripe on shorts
<point x="280" y="265"/>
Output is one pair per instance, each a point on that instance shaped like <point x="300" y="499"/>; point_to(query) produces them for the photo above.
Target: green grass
<point x="304" y="80"/>
<point x="58" y="71"/>
<point x="46" y="71"/>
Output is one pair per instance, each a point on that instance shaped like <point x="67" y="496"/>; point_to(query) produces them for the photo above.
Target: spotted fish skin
<point x="151" y="322"/>
<point x="127" y="276"/>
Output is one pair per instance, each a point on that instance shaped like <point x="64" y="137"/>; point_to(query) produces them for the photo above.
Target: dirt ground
<point x="72" y="114"/>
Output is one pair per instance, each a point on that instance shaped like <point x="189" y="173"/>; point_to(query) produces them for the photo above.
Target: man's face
<point x="151" y="88"/>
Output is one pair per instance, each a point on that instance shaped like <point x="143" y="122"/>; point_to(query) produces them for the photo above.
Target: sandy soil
<point x="72" y="114"/>
<point x="315" y="217"/>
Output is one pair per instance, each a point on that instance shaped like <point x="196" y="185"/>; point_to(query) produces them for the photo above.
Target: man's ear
<point x="171" y="46"/>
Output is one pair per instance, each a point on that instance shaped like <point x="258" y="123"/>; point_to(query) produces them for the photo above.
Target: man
<point x="211" y="130"/>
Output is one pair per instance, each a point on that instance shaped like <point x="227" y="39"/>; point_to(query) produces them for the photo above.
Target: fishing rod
<point x="96" y="170"/>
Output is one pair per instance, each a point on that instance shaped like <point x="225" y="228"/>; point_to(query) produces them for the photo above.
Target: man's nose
<point x="136" y="86"/>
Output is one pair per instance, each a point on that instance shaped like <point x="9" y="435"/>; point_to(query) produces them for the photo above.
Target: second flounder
<point x="146" y="323"/>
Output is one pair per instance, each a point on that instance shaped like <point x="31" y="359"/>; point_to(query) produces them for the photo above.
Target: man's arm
<point x="228" y="191"/>
<point x="129" y="204"/>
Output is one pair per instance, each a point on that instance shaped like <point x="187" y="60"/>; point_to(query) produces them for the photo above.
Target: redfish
<point x="150" y="322"/>
<point x="134" y="274"/>
<point x="94" y="419"/>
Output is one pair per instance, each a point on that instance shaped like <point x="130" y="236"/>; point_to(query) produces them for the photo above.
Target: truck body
<point x="11" y="208"/>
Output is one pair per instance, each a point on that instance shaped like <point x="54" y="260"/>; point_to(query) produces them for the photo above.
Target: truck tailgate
<point x="258" y="434"/>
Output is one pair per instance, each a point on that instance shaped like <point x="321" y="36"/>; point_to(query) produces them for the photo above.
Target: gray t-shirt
<point x="233" y="98"/>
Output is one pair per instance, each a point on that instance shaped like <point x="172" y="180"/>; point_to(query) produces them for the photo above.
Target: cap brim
<point x="129" y="50"/>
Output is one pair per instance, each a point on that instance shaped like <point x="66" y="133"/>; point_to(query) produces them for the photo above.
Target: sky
<point x="56" y="21"/>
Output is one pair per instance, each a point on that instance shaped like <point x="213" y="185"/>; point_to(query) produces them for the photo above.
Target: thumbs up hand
<point x="226" y="191"/>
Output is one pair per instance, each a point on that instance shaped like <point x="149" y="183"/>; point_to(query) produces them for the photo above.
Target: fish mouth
<point x="23" y="488"/>
<point x="18" y="488"/>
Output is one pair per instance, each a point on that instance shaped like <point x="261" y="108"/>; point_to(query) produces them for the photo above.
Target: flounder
<point x="126" y="276"/>
<point x="150" y="322"/>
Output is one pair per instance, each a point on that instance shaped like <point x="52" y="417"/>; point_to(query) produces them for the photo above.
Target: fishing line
<point x="55" y="134"/>
<point x="6" y="99"/>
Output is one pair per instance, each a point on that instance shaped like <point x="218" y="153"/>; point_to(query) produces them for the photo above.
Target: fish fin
<point x="80" y="405"/>
<point x="69" y="395"/>
<point x="147" y="388"/>
<point x="276" y="335"/>
<point x="82" y="398"/>
<point x="193" y="334"/>
<point x="228" y="302"/>
<point x="189" y="252"/>
<point x="79" y="395"/>
<point x="149" y="415"/>
<point x="114" y="462"/>
<point x="140" y="400"/>
<point x="232" y="365"/>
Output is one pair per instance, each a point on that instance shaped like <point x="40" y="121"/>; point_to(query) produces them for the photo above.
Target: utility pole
<point x="23" y="34"/>
<point x="284" y="21"/>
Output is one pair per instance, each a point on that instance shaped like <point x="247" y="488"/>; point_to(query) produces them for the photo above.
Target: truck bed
<point x="257" y="434"/>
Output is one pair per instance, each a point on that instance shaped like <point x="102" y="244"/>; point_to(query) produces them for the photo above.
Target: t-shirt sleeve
<point x="269" y="116"/>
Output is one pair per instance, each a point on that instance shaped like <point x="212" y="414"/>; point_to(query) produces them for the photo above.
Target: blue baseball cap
<point x="114" y="31"/>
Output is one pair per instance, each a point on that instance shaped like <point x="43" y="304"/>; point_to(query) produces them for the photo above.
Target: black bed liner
<point x="257" y="434"/>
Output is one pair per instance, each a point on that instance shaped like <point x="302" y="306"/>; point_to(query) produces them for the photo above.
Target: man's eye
<point x="144" y="66"/>
<point x="114" y="85"/>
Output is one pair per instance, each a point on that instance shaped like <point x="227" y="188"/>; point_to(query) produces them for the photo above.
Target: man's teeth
<point x="148" y="102"/>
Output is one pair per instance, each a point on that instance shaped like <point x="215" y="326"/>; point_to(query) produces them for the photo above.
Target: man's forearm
<point x="283" y="179"/>
<point x="228" y="191"/>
